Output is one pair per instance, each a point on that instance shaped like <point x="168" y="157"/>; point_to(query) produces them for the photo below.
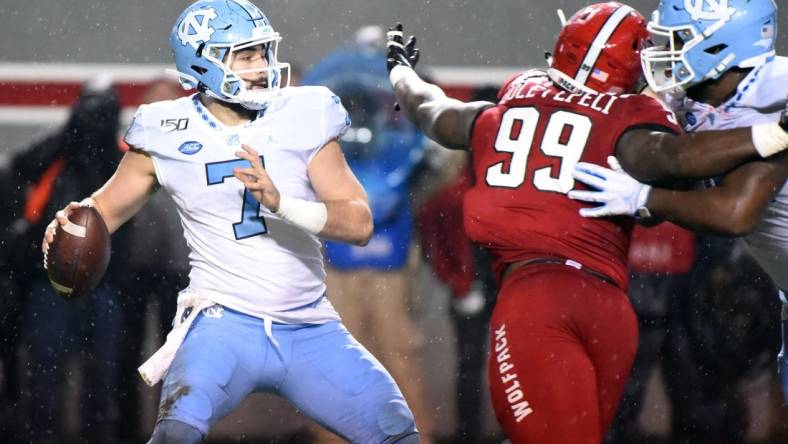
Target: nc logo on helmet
<point x="708" y="9"/>
<point x="195" y="29"/>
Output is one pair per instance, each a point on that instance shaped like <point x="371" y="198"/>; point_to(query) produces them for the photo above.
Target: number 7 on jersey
<point x="251" y="224"/>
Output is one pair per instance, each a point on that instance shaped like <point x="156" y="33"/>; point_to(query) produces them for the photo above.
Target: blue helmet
<point x="207" y="36"/>
<point x="706" y="38"/>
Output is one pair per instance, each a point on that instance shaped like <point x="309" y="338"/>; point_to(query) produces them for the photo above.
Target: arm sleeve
<point x="644" y="112"/>
<point x="334" y="119"/>
<point x="136" y="135"/>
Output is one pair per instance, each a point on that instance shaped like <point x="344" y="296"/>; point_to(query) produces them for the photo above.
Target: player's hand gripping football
<point x="618" y="192"/>
<point x="256" y="179"/>
<point x="397" y="51"/>
<point x="61" y="218"/>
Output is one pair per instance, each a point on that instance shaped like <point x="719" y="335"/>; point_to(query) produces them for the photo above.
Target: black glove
<point x="399" y="53"/>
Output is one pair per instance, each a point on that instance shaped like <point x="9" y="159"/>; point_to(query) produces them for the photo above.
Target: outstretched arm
<point x="445" y="120"/>
<point x="734" y="208"/>
<point x="655" y="157"/>
<point x="658" y="157"/>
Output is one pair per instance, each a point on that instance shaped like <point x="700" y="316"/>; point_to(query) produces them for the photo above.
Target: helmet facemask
<point x="267" y="80"/>
<point x="665" y="64"/>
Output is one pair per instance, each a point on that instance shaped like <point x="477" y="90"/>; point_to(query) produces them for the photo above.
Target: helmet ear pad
<point x="598" y="49"/>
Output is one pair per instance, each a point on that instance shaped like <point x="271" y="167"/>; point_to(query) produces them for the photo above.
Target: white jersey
<point x="241" y="255"/>
<point x="760" y="97"/>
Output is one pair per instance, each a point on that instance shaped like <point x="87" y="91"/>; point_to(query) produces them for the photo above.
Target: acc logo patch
<point x="190" y="147"/>
<point x="195" y="29"/>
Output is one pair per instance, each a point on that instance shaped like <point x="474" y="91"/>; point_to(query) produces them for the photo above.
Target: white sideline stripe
<point x="74" y="229"/>
<point x="474" y="76"/>
<point x="56" y="115"/>
<point x="71" y="72"/>
<point x="45" y="115"/>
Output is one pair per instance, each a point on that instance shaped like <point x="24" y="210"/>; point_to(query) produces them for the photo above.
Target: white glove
<point x="618" y="192"/>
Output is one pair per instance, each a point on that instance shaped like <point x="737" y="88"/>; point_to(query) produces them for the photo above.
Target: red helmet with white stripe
<point x="598" y="50"/>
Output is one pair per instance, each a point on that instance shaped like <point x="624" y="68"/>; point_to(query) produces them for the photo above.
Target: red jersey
<point x="524" y="151"/>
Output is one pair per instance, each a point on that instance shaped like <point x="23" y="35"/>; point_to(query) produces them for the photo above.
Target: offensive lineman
<point x="718" y="70"/>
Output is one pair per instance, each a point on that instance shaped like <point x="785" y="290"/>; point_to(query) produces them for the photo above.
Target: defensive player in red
<point x="563" y="331"/>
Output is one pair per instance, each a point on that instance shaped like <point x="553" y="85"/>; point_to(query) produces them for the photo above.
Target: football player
<point x="257" y="175"/>
<point x="717" y="70"/>
<point x="563" y="331"/>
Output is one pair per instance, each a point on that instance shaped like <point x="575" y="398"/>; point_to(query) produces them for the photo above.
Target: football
<point x="79" y="255"/>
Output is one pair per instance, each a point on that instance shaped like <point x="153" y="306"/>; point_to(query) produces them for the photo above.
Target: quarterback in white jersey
<point x="257" y="174"/>
<point x="719" y="73"/>
<point x="244" y="256"/>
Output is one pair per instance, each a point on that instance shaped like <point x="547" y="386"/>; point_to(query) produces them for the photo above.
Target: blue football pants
<point x="320" y="368"/>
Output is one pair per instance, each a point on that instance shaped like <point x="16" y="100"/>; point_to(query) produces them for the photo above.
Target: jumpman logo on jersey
<point x="195" y="29"/>
<point x="267" y="137"/>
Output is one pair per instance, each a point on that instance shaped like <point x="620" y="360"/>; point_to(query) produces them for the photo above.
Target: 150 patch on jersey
<point x="170" y="125"/>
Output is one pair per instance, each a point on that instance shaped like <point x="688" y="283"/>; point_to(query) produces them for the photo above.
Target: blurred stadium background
<point x="49" y="47"/>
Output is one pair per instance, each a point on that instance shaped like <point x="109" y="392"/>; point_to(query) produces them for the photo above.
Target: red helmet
<point x="598" y="50"/>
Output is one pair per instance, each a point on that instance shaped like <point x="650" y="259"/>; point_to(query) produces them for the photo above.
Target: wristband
<point x="642" y="211"/>
<point x="769" y="138"/>
<point x="309" y="216"/>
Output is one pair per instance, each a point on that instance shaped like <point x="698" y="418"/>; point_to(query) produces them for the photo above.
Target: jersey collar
<point x="211" y="121"/>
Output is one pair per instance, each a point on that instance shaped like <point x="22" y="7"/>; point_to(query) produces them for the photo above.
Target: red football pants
<point x="562" y="345"/>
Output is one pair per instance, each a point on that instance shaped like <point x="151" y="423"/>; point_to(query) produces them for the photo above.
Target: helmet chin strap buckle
<point x="257" y="100"/>
<point x="250" y="102"/>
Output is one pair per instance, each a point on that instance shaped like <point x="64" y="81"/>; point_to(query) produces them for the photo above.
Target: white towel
<point x="154" y="369"/>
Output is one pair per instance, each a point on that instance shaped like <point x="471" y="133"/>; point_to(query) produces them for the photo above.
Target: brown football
<point x="79" y="255"/>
